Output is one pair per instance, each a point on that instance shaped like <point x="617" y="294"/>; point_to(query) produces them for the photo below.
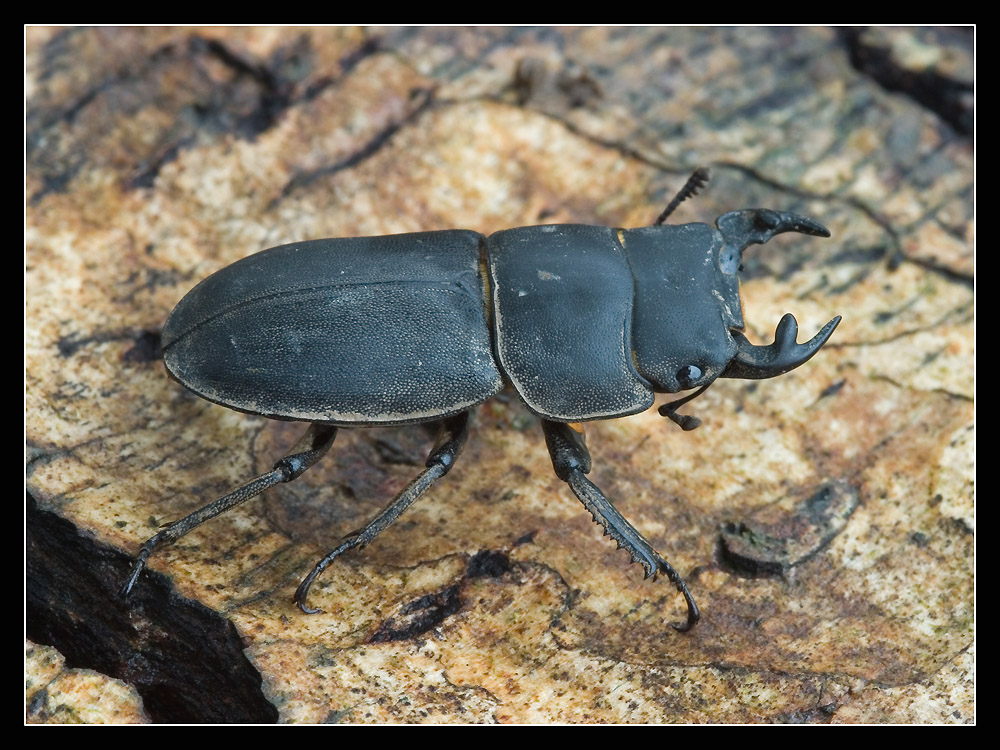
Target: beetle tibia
<point x="571" y="460"/>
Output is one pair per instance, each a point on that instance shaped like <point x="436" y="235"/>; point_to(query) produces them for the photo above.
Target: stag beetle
<point x="585" y="322"/>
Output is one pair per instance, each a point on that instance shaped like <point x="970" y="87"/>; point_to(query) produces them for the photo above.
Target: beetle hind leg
<point x="310" y="448"/>
<point x="451" y="439"/>
<point x="571" y="461"/>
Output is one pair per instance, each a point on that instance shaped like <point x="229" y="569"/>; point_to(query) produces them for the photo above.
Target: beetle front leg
<point x="571" y="460"/>
<point x="450" y="441"/>
<point x="310" y="448"/>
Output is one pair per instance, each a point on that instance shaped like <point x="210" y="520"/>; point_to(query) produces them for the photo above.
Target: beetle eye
<point x="688" y="375"/>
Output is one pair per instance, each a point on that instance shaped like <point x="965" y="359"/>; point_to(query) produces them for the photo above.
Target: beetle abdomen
<point x="384" y="330"/>
<point x="562" y="300"/>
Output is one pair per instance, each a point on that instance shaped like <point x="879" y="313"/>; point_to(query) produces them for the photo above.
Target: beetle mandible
<point x="585" y="322"/>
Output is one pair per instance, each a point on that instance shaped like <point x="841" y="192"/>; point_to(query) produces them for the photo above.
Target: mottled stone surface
<point x="156" y="156"/>
<point x="54" y="694"/>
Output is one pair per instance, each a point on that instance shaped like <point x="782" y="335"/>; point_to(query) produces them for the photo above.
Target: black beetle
<point x="585" y="322"/>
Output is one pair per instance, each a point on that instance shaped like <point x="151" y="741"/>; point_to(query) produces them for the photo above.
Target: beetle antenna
<point x="685" y="421"/>
<point x="697" y="180"/>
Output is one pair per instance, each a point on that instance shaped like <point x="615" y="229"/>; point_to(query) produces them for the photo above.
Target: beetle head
<point x="688" y="320"/>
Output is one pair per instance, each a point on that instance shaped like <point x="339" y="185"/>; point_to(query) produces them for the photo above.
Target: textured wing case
<point x="366" y="330"/>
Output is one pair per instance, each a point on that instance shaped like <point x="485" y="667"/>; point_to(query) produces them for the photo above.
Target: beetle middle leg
<point x="571" y="460"/>
<point x="451" y="439"/>
<point x="310" y="448"/>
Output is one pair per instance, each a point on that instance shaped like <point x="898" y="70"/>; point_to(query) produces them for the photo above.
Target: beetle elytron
<point x="585" y="323"/>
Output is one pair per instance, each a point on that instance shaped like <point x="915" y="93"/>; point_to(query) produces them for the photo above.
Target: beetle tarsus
<point x="310" y="448"/>
<point x="694" y="614"/>
<point x="302" y="592"/>
<point x="571" y="461"/>
<point x="451" y="439"/>
<point x="137" y="568"/>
